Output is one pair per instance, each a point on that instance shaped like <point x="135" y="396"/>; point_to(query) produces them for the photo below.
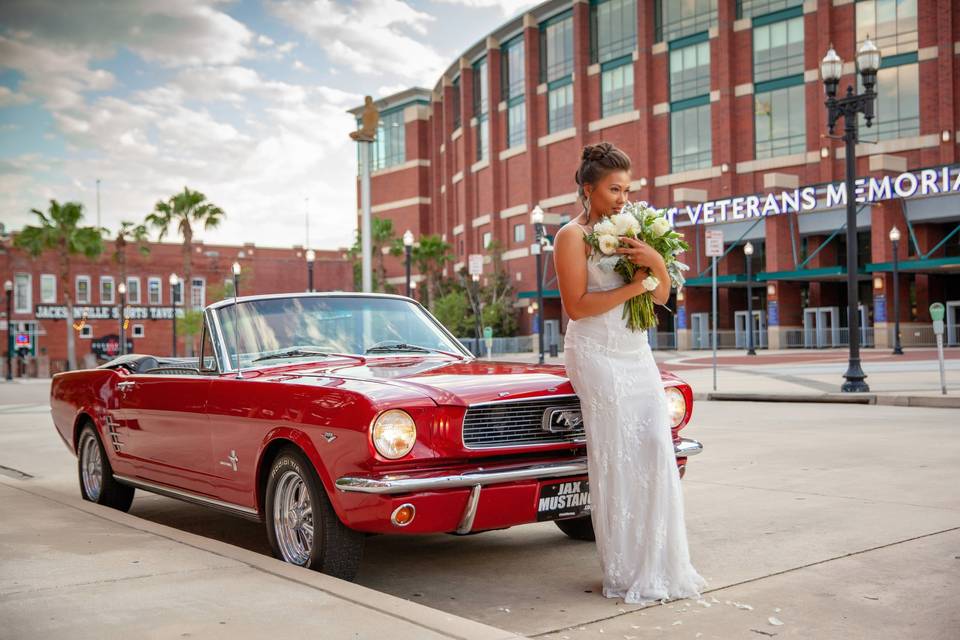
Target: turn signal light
<point x="403" y="515"/>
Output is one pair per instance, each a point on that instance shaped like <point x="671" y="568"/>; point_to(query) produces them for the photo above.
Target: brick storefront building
<point x="714" y="101"/>
<point x="38" y="305"/>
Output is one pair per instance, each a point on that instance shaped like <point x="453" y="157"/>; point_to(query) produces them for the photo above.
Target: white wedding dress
<point x="635" y="493"/>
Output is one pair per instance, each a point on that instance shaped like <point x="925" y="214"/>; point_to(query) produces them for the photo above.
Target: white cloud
<point x="10" y="98"/>
<point x="508" y="8"/>
<point x="377" y="37"/>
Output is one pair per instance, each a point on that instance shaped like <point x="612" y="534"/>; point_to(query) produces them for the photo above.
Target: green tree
<point x="453" y="311"/>
<point x="430" y="256"/>
<point x="382" y="235"/>
<point x="497" y="296"/>
<point x="183" y="210"/>
<point x="60" y="230"/>
<point x="189" y="327"/>
<point x="129" y="233"/>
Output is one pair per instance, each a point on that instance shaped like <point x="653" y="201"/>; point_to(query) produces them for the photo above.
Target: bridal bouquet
<point x="639" y="220"/>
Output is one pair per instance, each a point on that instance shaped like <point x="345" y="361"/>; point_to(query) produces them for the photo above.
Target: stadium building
<point x="720" y="105"/>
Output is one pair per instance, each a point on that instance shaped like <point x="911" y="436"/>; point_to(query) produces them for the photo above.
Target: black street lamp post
<point x="536" y="217"/>
<point x="408" y="253"/>
<point x="122" y="290"/>
<point x="8" y="288"/>
<point x="174" y="283"/>
<point x="895" y="239"/>
<point x="311" y="256"/>
<point x="748" y="252"/>
<point x="236" y="279"/>
<point x="849" y="107"/>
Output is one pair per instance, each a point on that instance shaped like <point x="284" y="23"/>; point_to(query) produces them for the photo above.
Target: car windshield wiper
<point x="293" y="353"/>
<point x="403" y="346"/>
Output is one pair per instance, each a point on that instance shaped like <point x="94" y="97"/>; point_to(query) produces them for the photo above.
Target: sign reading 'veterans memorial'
<point x="905" y="185"/>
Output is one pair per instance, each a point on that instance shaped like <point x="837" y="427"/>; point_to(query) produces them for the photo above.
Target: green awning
<point x="547" y="293"/>
<point x="727" y="279"/>
<point x="823" y="273"/>
<point x="917" y="264"/>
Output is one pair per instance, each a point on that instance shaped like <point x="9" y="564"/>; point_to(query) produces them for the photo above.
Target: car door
<point x="167" y="430"/>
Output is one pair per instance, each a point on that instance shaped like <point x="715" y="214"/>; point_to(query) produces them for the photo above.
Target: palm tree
<point x="381" y="235"/>
<point x="60" y="230"/>
<point x="430" y="255"/>
<point x="127" y="233"/>
<point x="184" y="210"/>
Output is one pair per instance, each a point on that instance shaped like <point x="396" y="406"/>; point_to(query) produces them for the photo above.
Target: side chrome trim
<point x="186" y="496"/>
<point x="404" y="483"/>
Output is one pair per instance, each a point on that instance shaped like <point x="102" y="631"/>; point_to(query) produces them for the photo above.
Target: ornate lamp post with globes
<point x="174" y="283"/>
<point x="122" y="290"/>
<point x="8" y="289"/>
<point x="849" y="107"/>
<point x="536" y="217"/>
<point x="895" y="239"/>
<point x="408" y="251"/>
<point x="311" y="255"/>
<point x="748" y="252"/>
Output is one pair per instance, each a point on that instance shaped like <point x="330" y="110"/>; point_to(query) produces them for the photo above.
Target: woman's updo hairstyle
<point x="597" y="160"/>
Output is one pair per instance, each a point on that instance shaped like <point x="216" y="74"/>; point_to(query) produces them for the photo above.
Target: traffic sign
<point x="476" y="264"/>
<point x="714" y="239"/>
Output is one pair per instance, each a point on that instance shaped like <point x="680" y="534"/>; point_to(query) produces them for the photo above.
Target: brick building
<point x="39" y="312"/>
<point x="717" y="102"/>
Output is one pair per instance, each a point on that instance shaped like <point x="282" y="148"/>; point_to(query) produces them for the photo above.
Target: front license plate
<point x="563" y="499"/>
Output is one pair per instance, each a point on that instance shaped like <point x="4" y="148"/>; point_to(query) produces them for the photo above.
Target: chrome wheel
<point x="91" y="467"/>
<point x="293" y="518"/>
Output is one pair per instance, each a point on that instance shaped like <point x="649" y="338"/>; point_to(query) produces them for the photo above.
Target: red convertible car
<point x="333" y="416"/>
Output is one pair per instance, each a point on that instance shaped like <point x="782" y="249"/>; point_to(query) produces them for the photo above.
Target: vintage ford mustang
<point x="333" y="416"/>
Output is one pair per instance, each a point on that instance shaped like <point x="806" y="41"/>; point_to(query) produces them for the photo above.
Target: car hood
<point x="456" y="382"/>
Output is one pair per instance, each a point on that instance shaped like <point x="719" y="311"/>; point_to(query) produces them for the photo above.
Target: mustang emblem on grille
<point x="561" y="420"/>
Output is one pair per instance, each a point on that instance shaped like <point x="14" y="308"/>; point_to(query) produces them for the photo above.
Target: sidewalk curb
<point x="940" y="402"/>
<point x="432" y="619"/>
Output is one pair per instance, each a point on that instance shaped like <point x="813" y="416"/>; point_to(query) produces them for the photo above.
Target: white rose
<point x="605" y="228"/>
<point x="624" y="222"/>
<point x="659" y="227"/>
<point x="608" y="244"/>
<point x="650" y="283"/>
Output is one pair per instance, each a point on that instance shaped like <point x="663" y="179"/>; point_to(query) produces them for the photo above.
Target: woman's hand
<point x="640" y="253"/>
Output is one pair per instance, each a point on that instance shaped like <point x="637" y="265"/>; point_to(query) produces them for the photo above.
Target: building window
<point x="513" y="77"/>
<point x="898" y="102"/>
<point x="48" y="288"/>
<point x="481" y="102"/>
<point x="891" y="24"/>
<point x="198" y="293"/>
<point x="22" y="293"/>
<point x="456" y="103"/>
<point x="133" y="290"/>
<point x="154" y="291"/>
<point x="613" y="29"/>
<point x="487" y="239"/>
<point x="138" y="331"/>
<point x="616" y="88"/>
<point x="778" y="47"/>
<point x="751" y="8"/>
<point x="780" y="123"/>
<point x="177" y="293"/>
<point x="690" y="140"/>
<point x="106" y="290"/>
<point x="519" y="232"/>
<point x="86" y="331"/>
<point x="556" y="69"/>
<point x="388" y="149"/>
<point x="690" y="69"/>
<point x="82" y="289"/>
<point x="678" y="19"/>
<point x="556" y="47"/>
<point x="560" y="108"/>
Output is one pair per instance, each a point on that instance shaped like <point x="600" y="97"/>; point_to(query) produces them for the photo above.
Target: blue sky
<point x="244" y="101"/>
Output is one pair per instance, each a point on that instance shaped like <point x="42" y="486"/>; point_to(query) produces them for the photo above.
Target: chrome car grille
<point x="513" y="423"/>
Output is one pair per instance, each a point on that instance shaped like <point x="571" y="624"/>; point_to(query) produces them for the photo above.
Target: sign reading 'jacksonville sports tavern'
<point x="904" y="185"/>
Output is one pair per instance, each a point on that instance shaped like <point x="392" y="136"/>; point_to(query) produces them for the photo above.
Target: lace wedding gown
<point x="635" y="494"/>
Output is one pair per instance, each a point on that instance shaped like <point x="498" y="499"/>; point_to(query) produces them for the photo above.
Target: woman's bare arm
<point x="570" y="261"/>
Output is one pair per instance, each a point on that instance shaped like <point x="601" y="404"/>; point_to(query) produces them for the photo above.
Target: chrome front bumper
<point x="406" y="483"/>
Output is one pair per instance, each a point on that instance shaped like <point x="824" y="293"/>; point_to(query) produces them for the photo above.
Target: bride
<point x="636" y="497"/>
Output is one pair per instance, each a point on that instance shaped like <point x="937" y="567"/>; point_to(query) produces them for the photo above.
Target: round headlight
<point x="394" y="433"/>
<point x="676" y="406"/>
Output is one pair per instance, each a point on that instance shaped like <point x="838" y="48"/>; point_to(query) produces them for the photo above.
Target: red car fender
<point x="305" y="444"/>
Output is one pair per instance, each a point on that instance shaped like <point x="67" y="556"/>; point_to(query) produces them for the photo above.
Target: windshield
<point x="335" y="324"/>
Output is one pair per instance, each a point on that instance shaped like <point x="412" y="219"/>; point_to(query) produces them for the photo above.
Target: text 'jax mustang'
<point x="332" y="416"/>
